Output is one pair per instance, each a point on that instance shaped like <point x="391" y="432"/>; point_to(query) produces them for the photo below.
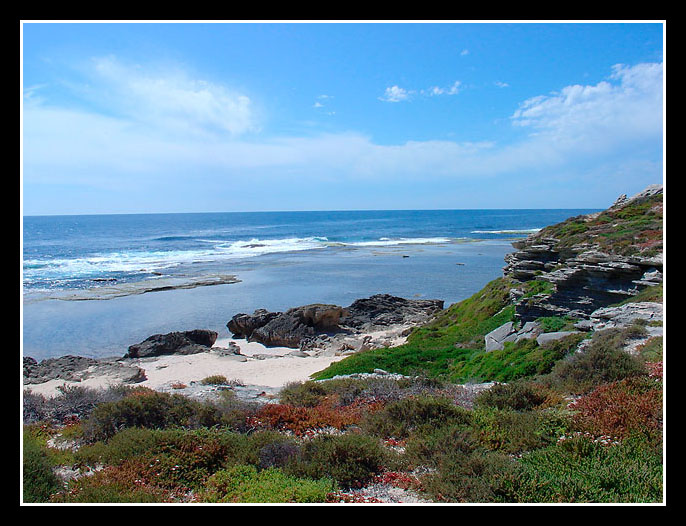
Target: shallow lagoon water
<point x="100" y="328"/>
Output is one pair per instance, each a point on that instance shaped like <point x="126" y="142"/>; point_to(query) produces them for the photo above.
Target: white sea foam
<point x="217" y="250"/>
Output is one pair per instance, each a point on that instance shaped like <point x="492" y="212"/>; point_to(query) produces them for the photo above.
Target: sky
<point x="220" y="117"/>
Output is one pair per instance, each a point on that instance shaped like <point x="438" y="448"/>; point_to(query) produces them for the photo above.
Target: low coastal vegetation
<point x="587" y="428"/>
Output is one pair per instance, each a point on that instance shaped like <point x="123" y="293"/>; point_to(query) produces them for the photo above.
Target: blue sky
<point x="190" y="117"/>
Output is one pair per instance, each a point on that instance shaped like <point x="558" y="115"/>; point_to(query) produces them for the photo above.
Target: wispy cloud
<point x="395" y="94"/>
<point x="464" y="52"/>
<point x="169" y="99"/>
<point x="501" y="84"/>
<point x="454" y="89"/>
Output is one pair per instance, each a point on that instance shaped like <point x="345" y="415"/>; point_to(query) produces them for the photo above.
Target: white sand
<point x="165" y="370"/>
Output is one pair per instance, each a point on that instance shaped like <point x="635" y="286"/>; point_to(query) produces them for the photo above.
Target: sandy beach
<point x="274" y="369"/>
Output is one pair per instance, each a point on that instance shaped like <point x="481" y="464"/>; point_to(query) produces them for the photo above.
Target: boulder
<point x="552" y="336"/>
<point x="288" y="329"/>
<point x="188" y="342"/>
<point x="242" y="325"/>
<point x="495" y="339"/>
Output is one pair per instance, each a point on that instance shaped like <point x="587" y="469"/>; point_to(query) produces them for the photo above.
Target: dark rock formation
<point x="383" y="310"/>
<point x="188" y="342"/>
<point x="289" y="328"/>
<point x="243" y="325"/>
<point x="309" y="322"/>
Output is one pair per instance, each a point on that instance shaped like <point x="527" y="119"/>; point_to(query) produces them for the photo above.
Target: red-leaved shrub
<point x="633" y="405"/>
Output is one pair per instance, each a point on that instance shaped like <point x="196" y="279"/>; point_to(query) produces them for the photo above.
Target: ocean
<point x="93" y="285"/>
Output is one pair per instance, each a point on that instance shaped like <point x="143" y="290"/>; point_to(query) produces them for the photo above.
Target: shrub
<point x="428" y="445"/>
<point x="303" y="394"/>
<point x="216" y="379"/>
<point x="623" y="408"/>
<point x="399" y="419"/>
<point x="277" y="454"/>
<point x="147" y="408"/>
<point x="519" y="396"/>
<point x="39" y="481"/>
<point x="601" y="362"/>
<point x="583" y="470"/>
<point x="244" y="483"/>
<point x="469" y="476"/>
<point x="351" y="459"/>
<point x="300" y="420"/>
<point x="120" y="484"/>
<point x="517" y="432"/>
<point x="70" y="401"/>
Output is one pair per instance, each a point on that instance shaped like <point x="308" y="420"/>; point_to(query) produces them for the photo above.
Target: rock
<point x="312" y="327"/>
<point x="232" y="350"/>
<point x="288" y="329"/>
<point x="626" y="315"/>
<point x="552" y="336"/>
<point x="188" y="342"/>
<point x="78" y="368"/>
<point x="495" y="339"/>
<point x="530" y="330"/>
<point x="243" y="325"/>
<point x="383" y="310"/>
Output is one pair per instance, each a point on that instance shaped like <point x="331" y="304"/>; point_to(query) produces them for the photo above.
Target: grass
<point x="434" y="348"/>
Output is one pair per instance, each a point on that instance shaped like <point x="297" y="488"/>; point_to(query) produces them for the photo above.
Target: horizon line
<point x="297" y="211"/>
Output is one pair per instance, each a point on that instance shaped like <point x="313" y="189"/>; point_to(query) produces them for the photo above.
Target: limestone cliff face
<point x="591" y="261"/>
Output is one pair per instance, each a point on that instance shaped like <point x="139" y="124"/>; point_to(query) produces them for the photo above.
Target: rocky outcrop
<point x="187" y="342"/>
<point x="383" y="310"/>
<point x="592" y="261"/>
<point x="78" y="368"/>
<point x="308" y="323"/>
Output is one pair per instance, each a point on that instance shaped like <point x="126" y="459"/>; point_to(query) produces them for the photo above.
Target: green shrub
<point x="516" y="431"/>
<point x="351" y="460"/>
<point x="399" y="419"/>
<point x="470" y="476"/>
<point x="581" y="470"/>
<point x="243" y="483"/>
<point x="39" y="481"/>
<point x="428" y="445"/>
<point x="603" y="361"/>
<point x="216" y="379"/>
<point x="303" y="394"/>
<point x="147" y="408"/>
<point x="521" y="395"/>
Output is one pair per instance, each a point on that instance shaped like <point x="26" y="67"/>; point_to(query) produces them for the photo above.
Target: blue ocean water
<point x="83" y="275"/>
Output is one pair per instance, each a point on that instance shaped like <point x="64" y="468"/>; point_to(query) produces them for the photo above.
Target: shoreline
<point x="257" y="368"/>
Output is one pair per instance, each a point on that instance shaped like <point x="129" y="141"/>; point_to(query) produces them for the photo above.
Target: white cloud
<point x="395" y="94"/>
<point x="622" y="109"/>
<point x="464" y="52"/>
<point x="435" y="91"/>
<point x="501" y="84"/>
<point x="170" y="99"/>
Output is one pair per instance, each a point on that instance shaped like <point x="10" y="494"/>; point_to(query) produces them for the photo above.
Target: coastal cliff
<point x="591" y="261"/>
